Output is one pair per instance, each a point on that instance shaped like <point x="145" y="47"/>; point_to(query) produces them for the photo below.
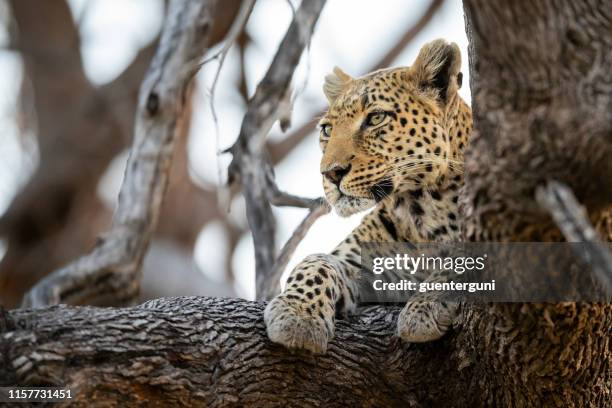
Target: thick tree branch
<point x="110" y="271"/>
<point x="213" y="352"/>
<point x="538" y="110"/>
<point x="249" y="164"/>
<point x="196" y="351"/>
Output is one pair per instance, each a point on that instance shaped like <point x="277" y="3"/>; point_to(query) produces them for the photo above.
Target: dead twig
<point x="235" y="31"/>
<point x="559" y="200"/>
<point x="319" y="207"/>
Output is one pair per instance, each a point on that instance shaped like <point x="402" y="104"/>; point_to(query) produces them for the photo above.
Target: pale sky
<point x="350" y="33"/>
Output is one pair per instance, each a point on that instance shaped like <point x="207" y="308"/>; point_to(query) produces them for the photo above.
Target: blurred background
<point x="69" y="76"/>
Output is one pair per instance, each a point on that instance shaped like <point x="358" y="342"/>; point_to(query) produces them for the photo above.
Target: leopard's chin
<point x="345" y="206"/>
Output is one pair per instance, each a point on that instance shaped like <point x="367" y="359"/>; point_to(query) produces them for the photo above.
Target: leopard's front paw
<point x="298" y="324"/>
<point x="420" y="322"/>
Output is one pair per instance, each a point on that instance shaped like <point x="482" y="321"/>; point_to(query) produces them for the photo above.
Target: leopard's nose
<point x="336" y="174"/>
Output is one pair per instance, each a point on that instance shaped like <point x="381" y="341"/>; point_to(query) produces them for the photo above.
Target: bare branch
<point x="272" y="287"/>
<point x="280" y="198"/>
<point x="111" y="270"/>
<point x="246" y="7"/>
<point x="559" y="200"/>
<point x="59" y="204"/>
<point x="249" y="165"/>
<point x="317" y="208"/>
<point x="236" y="29"/>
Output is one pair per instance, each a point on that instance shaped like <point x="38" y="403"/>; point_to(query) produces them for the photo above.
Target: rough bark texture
<point x="541" y="101"/>
<point x="541" y="112"/>
<point x="214" y="352"/>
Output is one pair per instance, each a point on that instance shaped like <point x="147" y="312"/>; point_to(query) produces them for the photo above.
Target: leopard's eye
<point x="375" y="118"/>
<point x="326" y="129"/>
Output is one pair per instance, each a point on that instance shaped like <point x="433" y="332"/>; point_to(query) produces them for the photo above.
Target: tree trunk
<point x="541" y="102"/>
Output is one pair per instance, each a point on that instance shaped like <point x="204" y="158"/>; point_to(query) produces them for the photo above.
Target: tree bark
<point x="540" y="83"/>
<point x="214" y="352"/>
<point x="542" y="103"/>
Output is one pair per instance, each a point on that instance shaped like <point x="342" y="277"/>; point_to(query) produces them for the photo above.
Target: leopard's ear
<point x="438" y="66"/>
<point x="335" y="83"/>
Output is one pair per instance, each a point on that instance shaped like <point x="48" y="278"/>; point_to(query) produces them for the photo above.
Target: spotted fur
<point x="392" y="140"/>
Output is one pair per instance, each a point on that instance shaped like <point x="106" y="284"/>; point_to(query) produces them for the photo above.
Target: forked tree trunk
<point x="542" y="100"/>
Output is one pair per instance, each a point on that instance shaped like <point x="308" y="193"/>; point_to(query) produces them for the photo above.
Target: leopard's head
<point x="387" y="132"/>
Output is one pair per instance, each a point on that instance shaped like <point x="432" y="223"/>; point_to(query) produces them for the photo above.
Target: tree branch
<point x="558" y="199"/>
<point x="110" y="271"/>
<point x="58" y="215"/>
<point x="318" y="208"/>
<point x="249" y="165"/>
<point x="214" y="352"/>
<point x="195" y="351"/>
<point x="233" y="34"/>
<point x="59" y="204"/>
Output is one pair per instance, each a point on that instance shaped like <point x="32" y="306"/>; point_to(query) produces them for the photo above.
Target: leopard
<point x="392" y="142"/>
